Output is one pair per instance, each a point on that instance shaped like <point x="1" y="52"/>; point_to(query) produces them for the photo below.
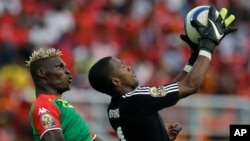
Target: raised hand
<point x="173" y="130"/>
<point x="217" y="28"/>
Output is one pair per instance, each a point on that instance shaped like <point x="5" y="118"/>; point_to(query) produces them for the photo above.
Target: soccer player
<point x="133" y="110"/>
<point x="51" y="117"/>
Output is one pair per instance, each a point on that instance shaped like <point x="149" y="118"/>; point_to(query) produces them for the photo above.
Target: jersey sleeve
<point x="93" y="134"/>
<point x="152" y="99"/>
<point x="46" y="117"/>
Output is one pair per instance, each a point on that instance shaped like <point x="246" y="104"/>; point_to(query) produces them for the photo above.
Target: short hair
<point x="36" y="60"/>
<point x="100" y="75"/>
<point x="43" y="54"/>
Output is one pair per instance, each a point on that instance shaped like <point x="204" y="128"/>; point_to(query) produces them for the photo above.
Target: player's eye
<point x="59" y="66"/>
<point x="123" y="66"/>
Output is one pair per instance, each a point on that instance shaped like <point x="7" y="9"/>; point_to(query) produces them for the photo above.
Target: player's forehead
<point x="54" y="61"/>
<point x="115" y="61"/>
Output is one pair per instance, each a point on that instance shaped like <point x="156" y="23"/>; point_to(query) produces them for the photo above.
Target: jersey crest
<point x="114" y="113"/>
<point x="157" y="91"/>
<point x="47" y="121"/>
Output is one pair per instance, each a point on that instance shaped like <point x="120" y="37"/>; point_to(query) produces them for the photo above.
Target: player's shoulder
<point x="44" y="102"/>
<point x="139" y="91"/>
<point x="152" y="90"/>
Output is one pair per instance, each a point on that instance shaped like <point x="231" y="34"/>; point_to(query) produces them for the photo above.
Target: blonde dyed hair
<point x="43" y="54"/>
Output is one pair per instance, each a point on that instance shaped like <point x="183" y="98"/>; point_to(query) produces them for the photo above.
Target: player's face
<point x="57" y="75"/>
<point x="125" y="74"/>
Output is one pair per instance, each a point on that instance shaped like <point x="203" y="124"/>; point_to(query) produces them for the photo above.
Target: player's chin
<point x="135" y="84"/>
<point x="136" y="81"/>
<point x="66" y="88"/>
<point x="61" y="91"/>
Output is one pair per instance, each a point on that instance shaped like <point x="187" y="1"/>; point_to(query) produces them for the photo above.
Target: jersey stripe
<point x="145" y="90"/>
<point x="173" y="87"/>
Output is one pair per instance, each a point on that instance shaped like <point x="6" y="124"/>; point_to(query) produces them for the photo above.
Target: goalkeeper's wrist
<point x="205" y="53"/>
<point x="193" y="57"/>
<point x="207" y="45"/>
<point x="188" y="68"/>
<point x="202" y="52"/>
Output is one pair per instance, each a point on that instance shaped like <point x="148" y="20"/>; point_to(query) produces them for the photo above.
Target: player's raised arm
<point x="211" y="35"/>
<point x="193" y="57"/>
<point x="53" y="135"/>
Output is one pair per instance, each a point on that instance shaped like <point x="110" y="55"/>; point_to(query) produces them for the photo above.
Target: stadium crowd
<point x="142" y="33"/>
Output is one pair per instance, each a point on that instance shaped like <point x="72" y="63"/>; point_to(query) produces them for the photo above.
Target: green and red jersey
<point x="50" y="112"/>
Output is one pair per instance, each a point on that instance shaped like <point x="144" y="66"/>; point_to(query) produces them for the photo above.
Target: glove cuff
<point x="206" y="54"/>
<point x="207" y="45"/>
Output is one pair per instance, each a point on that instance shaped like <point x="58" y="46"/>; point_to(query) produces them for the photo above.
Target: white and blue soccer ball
<point x="199" y="13"/>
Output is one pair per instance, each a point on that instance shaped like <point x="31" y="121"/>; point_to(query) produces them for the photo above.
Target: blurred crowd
<point x="142" y="33"/>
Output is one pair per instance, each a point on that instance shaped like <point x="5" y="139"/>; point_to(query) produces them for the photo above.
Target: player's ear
<point x="116" y="81"/>
<point x="40" y="72"/>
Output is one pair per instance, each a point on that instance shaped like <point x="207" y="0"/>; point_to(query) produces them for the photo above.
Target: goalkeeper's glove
<point x="217" y="28"/>
<point x="193" y="47"/>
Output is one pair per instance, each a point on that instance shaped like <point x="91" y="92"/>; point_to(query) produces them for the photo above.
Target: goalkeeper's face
<point x="124" y="76"/>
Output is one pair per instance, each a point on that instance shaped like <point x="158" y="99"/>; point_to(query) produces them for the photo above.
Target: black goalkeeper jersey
<point x="134" y="116"/>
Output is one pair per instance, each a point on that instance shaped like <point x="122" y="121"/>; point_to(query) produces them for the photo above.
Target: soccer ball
<point x="199" y="13"/>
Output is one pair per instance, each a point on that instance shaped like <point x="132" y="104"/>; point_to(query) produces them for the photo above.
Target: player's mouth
<point x="70" y="80"/>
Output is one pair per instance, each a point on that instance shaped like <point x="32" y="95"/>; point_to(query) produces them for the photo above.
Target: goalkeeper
<point x="133" y="110"/>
